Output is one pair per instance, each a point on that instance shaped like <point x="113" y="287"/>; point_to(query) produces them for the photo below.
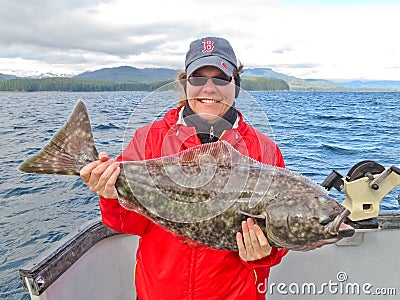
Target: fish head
<point x="308" y="224"/>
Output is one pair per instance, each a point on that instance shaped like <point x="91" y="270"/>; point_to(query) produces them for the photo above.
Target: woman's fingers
<point x="252" y="243"/>
<point x="100" y="176"/>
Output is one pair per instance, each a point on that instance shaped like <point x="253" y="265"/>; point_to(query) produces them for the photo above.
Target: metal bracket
<point x="364" y="195"/>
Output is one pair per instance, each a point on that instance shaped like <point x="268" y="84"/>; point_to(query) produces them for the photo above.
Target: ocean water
<point x="317" y="132"/>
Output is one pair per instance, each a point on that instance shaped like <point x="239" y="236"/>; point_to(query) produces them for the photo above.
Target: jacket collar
<point x="181" y="120"/>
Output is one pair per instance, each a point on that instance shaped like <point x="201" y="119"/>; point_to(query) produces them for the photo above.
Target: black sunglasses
<point x="198" y="80"/>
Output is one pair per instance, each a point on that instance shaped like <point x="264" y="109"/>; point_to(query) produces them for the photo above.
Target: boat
<point x="79" y="266"/>
<point x="96" y="262"/>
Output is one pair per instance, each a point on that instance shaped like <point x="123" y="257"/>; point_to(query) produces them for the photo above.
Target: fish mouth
<point x="340" y="229"/>
<point x="337" y="229"/>
<point x="331" y="233"/>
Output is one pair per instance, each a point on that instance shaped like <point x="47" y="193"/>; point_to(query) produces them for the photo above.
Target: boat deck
<point x="97" y="263"/>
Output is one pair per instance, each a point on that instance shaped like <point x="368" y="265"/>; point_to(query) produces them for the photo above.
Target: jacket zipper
<point x="192" y="274"/>
<point x="211" y="132"/>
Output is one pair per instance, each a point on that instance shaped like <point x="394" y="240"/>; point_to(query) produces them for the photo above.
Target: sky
<point x="334" y="40"/>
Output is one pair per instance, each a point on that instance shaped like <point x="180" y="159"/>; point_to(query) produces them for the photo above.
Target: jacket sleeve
<point x="272" y="155"/>
<point x="271" y="260"/>
<point x="279" y="161"/>
<point x="112" y="213"/>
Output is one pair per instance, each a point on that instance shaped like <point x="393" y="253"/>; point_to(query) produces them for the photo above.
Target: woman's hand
<point x="252" y="243"/>
<point x="100" y="176"/>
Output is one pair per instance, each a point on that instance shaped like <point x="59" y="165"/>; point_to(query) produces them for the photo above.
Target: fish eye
<point x="322" y="199"/>
<point x="324" y="220"/>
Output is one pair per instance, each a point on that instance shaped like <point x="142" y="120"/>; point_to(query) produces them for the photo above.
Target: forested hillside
<point x="85" y="85"/>
<point x="74" y="85"/>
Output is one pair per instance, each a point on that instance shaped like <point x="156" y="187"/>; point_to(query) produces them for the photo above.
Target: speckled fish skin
<point x="178" y="193"/>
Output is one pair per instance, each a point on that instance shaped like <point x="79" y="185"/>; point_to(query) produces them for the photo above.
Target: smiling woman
<point x="208" y="114"/>
<point x="214" y="97"/>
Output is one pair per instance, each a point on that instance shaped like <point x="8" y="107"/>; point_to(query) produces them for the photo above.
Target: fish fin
<point x="303" y="179"/>
<point x="220" y="151"/>
<point x="252" y="216"/>
<point x="70" y="149"/>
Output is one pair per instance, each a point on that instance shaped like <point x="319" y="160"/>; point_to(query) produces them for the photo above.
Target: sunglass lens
<point x="217" y="80"/>
<point x="221" y="80"/>
<point x="197" y="81"/>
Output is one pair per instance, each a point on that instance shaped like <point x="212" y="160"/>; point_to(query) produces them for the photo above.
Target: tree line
<point x="84" y="85"/>
<point x="74" y="85"/>
<point x="264" y="84"/>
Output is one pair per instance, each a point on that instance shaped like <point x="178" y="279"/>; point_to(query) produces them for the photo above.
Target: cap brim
<point x="214" y="61"/>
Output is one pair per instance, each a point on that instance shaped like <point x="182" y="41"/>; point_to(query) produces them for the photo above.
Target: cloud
<point x="296" y="66"/>
<point x="55" y="26"/>
<point x="296" y="38"/>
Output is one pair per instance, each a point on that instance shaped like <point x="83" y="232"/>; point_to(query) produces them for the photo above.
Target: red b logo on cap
<point x="208" y="46"/>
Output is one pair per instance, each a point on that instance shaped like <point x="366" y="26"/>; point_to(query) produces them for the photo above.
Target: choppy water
<point x="317" y="132"/>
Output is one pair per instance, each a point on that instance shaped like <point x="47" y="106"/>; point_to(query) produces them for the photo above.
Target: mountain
<point x="267" y="73"/>
<point x="295" y="84"/>
<point x="6" y="77"/>
<point x="130" y="74"/>
<point x="378" y="84"/>
<point x="127" y="74"/>
<point x="299" y="84"/>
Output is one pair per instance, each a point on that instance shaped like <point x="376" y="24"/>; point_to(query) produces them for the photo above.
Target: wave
<point x="19" y="191"/>
<point x="340" y="117"/>
<point x="18" y="127"/>
<point x="339" y="148"/>
<point x="106" y="126"/>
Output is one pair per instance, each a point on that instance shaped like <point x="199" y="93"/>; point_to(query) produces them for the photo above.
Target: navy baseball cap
<point x="210" y="51"/>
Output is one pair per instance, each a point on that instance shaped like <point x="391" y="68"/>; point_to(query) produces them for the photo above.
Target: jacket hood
<point x="174" y="117"/>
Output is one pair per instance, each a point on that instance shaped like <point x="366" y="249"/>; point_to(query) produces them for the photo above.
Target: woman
<point x="167" y="268"/>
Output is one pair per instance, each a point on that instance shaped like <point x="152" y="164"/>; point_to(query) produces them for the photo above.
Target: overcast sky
<point x="335" y="39"/>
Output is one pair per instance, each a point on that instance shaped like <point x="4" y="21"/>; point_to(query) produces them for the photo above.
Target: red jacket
<point x="166" y="268"/>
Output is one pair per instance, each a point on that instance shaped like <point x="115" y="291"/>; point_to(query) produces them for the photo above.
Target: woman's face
<point x="210" y="100"/>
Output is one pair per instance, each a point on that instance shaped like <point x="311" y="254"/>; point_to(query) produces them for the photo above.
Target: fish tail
<point x="70" y="149"/>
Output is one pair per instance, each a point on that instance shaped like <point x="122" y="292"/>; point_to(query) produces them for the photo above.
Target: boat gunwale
<point x="42" y="272"/>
